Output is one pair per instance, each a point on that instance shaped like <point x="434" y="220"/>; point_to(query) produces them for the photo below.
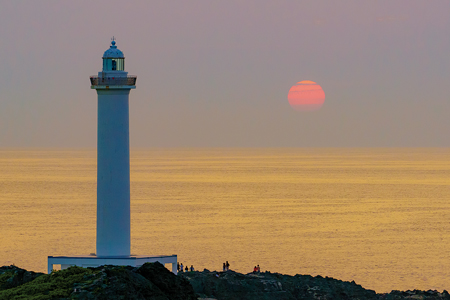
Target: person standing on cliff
<point x="181" y="267"/>
<point x="228" y="266"/>
<point x="224" y="267"/>
<point x="178" y="266"/>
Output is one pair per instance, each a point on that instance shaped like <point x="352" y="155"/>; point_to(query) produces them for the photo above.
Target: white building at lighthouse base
<point x="94" y="261"/>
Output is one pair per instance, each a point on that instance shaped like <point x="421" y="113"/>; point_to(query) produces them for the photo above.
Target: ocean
<point x="377" y="216"/>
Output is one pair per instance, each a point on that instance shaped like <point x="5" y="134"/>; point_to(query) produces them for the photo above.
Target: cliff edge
<point x="153" y="281"/>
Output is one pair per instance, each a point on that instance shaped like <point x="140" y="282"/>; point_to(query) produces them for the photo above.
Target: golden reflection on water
<point x="375" y="216"/>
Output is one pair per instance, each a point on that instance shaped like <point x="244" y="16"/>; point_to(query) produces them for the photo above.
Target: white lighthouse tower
<point x="113" y="87"/>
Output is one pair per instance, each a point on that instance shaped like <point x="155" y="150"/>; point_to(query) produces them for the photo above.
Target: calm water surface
<point x="379" y="217"/>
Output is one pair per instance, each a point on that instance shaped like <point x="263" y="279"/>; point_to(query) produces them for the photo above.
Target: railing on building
<point x="111" y="80"/>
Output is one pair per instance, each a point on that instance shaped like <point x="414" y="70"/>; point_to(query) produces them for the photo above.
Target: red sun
<point x="306" y="95"/>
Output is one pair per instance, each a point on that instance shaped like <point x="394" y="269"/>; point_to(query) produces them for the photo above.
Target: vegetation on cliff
<point x="150" y="281"/>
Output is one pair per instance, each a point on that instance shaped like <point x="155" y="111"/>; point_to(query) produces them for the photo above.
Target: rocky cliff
<point x="155" y="282"/>
<point x="151" y="281"/>
<point x="264" y="286"/>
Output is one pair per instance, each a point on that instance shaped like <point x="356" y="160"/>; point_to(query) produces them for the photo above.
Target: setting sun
<point x="306" y="95"/>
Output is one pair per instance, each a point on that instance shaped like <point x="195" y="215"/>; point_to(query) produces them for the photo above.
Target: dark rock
<point x="232" y="285"/>
<point x="415" y="294"/>
<point x="174" y="287"/>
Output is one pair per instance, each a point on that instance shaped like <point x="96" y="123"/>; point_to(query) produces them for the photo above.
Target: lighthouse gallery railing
<point x="110" y="80"/>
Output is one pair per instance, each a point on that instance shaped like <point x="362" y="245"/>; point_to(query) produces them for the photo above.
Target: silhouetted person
<point x="186" y="269"/>
<point x="181" y="267"/>
<point x="178" y="266"/>
<point x="224" y="267"/>
<point x="192" y="268"/>
<point x="228" y="266"/>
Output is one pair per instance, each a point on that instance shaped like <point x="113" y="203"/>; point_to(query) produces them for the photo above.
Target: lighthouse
<point x="113" y="86"/>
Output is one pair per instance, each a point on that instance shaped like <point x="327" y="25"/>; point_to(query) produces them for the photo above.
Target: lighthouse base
<point x="95" y="261"/>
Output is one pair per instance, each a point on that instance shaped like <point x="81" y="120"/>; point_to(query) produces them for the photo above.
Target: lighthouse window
<point x="120" y="64"/>
<point x="117" y="64"/>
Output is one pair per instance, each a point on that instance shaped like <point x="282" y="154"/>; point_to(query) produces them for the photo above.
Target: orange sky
<point x="211" y="73"/>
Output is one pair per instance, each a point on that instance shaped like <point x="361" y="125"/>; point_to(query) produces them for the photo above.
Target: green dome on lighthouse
<point x="113" y="59"/>
<point x="113" y="52"/>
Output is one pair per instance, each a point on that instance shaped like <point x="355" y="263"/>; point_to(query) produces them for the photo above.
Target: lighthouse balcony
<point x="129" y="80"/>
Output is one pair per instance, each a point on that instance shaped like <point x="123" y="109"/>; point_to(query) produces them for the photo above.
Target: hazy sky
<point x="217" y="73"/>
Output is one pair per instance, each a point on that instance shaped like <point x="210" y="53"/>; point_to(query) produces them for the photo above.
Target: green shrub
<point x="58" y="284"/>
